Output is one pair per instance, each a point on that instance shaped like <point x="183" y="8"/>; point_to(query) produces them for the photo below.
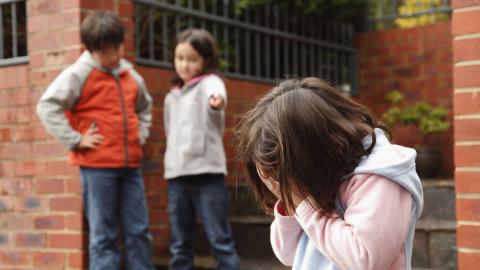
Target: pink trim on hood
<point x="192" y="81"/>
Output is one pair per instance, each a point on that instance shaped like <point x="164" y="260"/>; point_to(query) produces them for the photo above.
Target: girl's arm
<point x="285" y="233"/>
<point x="215" y="92"/>
<point x="166" y="116"/>
<point x="374" y="227"/>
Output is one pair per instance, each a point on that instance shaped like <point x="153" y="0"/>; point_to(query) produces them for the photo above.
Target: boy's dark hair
<point x="308" y="137"/>
<point x="101" y="30"/>
<point x="205" y="45"/>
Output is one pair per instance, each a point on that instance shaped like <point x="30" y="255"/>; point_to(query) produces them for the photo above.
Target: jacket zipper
<point x="124" y="112"/>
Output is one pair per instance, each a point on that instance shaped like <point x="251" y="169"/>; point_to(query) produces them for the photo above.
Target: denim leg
<point x="182" y="223"/>
<point x="211" y="200"/>
<point x="100" y="196"/>
<point x="134" y="215"/>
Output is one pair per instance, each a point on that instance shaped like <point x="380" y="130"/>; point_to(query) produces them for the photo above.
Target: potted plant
<point x="428" y="119"/>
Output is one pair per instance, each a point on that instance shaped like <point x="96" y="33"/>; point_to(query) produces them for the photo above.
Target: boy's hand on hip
<point x="216" y="102"/>
<point x="90" y="139"/>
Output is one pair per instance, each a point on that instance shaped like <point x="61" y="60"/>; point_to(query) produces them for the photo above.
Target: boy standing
<point x="100" y="109"/>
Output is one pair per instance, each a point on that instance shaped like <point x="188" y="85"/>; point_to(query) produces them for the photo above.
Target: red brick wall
<point x="41" y="219"/>
<point x="40" y="207"/>
<point x="415" y="61"/>
<point x="466" y="83"/>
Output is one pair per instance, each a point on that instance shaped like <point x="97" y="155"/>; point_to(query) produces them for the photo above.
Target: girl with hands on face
<point x="342" y="196"/>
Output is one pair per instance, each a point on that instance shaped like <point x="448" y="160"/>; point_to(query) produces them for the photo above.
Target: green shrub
<point x="428" y="119"/>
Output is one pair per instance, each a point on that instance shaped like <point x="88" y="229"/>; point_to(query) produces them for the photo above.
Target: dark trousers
<point x="207" y="196"/>
<point x="114" y="197"/>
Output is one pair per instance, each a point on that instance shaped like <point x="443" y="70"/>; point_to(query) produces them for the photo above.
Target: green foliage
<point x="416" y="6"/>
<point x="348" y="11"/>
<point x="429" y="119"/>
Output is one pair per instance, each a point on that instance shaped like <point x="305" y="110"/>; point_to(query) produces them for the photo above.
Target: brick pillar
<point x="41" y="224"/>
<point x="466" y="53"/>
<point x="54" y="43"/>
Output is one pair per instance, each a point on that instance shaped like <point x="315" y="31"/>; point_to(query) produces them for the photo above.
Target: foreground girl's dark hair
<point x="308" y="137"/>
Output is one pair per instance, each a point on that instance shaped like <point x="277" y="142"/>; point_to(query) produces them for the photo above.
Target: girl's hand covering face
<point x="274" y="187"/>
<point x="271" y="184"/>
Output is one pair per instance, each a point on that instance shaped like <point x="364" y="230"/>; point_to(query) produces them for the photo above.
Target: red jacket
<point x="118" y="103"/>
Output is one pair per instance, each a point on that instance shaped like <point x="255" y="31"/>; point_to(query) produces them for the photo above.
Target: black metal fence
<point x="13" y="32"/>
<point x="261" y="44"/>
<point x="407" y="13"/>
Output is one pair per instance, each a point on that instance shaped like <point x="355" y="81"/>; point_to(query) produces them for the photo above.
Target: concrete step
<point x="435" y="244"/>
<point x="208" y="263"/>
<point x="252" y="238"/>
<point x="439" y="199"/>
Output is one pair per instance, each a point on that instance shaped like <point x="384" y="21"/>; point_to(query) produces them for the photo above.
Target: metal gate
<point x="260" y="44"/>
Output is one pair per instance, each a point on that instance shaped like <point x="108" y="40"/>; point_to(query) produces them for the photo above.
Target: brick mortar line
<point x="58" y="67"/>
<point x="47" y="232"/>
<point x="57" y="49"/>
<point x="466" y="9"/>
<point x="467" y="63"/>
<point x="21" y="106"/>
<point x="467" y="196"/>
<point x="54" y="31"/>
<point x="468" y="250"/>
<point x="467" y="116"/>
<point x="59" y="158"/>
<point x="468" y="223"/>
<point x="467" y="90"/>
<point x="466" y="36"/>
<point x="466" y="143"/>
<point x="467" y="169"/>
<point x="50" y="249"/>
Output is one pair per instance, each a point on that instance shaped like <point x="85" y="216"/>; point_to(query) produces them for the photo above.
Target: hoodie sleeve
<point x="60" y="96"/>
<point x="214" y="85"/>
<point x="143" y="108"/>
<point x="285" y="233"/>
<point x="166" y="115"/>
<point x="373" y="230"/>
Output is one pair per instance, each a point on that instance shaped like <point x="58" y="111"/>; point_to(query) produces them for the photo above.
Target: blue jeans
<point x="113" y="198"/>
<point x="207" y="195"/>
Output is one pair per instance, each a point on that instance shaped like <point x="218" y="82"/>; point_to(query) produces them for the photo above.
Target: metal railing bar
<point x="248" y="26"/>
<point x="151" y="32"/>
<point x="14" y="30"/>
<point x="1" y="32"/>
<point x="226" y="35"/>
<point x="162" y="64"/>
<point x="14" y="61"/>
<point x="165" y="37"/>
<point x="2" y="2"/>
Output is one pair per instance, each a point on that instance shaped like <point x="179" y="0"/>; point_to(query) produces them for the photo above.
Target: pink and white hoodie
<point x="374" y="225"/>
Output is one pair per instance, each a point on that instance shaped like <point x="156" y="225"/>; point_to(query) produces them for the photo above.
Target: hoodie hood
<point x="395" y="162"/>
<point x="87" y="59"/>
